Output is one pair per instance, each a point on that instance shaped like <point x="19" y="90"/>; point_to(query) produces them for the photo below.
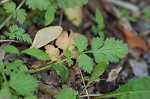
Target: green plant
<point x="16" y="80"/>
<point x="48" y="6"/>
<point x="18" y="33"/>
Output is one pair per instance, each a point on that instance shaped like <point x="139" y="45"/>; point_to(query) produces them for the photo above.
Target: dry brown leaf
<point x="64" y="41"/>
<point x="114" y="74"/>
<point x="133" y="40"/>
<point x="46" y="35"/>
<point x="52" y="52"/>
<point x="131" y="37"/>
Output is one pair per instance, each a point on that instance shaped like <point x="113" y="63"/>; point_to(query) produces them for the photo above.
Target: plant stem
<point x="47" y="66"/>
<point x="40" y="69"/>
<point x="4" y="76"/>
<point x="6" y="20"/>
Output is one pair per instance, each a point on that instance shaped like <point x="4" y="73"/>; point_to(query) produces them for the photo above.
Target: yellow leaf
<point x="46" y="35"/>
<point x="74" y="15"/>
<point x="52" y="52"/>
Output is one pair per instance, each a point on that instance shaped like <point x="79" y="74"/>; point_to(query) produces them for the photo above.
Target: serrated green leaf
<point x="85" y="62"/>
<point x="81" y="42"/>
<point x="10" y="7"/>
<point x="67" y="93"/>
<point x="21" y="15"/>
<point x="98" y="71"/>
<point x="99" y="19"/>
<point x="23" y="84"/>
<point x="62" y="71"/>
<point x="37" y="53"/>
<point x="38" y="4"/>
<point x="49" y="15"/>
<point x="111" y="51"/>
<point x="10" y="49"/>
<point x="138" y="88"/>
<point x="96" y="43"/>
<point x="18" y="33"/>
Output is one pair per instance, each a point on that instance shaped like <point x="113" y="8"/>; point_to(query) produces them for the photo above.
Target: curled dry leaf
<point x="46" y="35"/>
<point x="52" y="52"/>
<point x="114" y="74"/>
<point x="65" y="41"/>
<point x="74" y="15"/>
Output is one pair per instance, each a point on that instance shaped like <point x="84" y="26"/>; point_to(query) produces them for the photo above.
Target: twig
<point x="90" y="95"/>
<point x="6" y="20"/>
<point x="47" y="66"/>
<point x="1" y="41"/>
<point x="61" y="17"/>
<point x="87" y="94"/>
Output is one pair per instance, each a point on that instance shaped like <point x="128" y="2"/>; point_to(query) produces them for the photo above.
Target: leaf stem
<point x="47" y="66"/>
<point x="4" y="76"/>
<point x="6" y="20"/>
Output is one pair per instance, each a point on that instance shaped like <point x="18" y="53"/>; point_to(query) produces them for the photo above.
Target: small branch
<point x="40" y="69"/>
<point x="90" y="95"/>
<point x="2" y="41"/>
<point x="47" y="66"/>
<point x="84" y="86"/>
<point x="6" y="20"/>
<point x="61" y="17"/>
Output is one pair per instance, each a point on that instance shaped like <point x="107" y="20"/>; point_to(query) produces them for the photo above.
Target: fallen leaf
<point x="52" y="52"/>
<point x="46" y="35"/>
<point x="74" y="15"/>
<point x="131" y="37"/>
<point x="65" y="41"/>
<point x="114" y="74"/>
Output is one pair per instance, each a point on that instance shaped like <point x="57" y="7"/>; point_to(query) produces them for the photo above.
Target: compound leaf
<point x="111" y="51"/>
